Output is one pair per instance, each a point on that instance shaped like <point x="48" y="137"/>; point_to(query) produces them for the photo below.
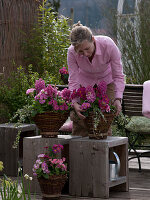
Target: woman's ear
<point x="93" y="38"/>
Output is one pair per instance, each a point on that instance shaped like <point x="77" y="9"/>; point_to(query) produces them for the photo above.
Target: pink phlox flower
<point x="107" y="109"/>
<point x="38" y="161"/>
<point x="105" y="98"/>
<point x="57" y="148"/>
<point x="45" y="167"/>
<point x="36" y="166"/>
<point x="65" y="106"/>
<point x="63" y="70"/>
<point x="53" y="161"/>
<point x="63" y="159"/>
<point x="55" y="107"/>
<point x="61" y="107"/>
<point x="51" y="91"/>
<point x="30" y="91"/>
<point x="39" y="85"/>
<point x="74" y="94"/>
<point x="64" y="167"/>
<point x="34" y="174"/>
<point x="102" y="87"/>
<point x="85" y="106"/>
<point x="41" y="155"/>
<point x="103" y="105"/>
<point x="65" y="94"/>
<point x="81" y="92"/>
<point x="50" y="102"/>
<point x="90" y="94"/>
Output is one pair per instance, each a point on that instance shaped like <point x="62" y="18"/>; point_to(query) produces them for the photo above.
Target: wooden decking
<point x="139" y="184"/>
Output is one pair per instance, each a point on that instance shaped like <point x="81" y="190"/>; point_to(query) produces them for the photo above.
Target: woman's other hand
<point x="117" y="104"/>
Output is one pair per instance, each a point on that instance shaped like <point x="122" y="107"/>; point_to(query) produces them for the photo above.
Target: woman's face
<point x="86" y="48"/>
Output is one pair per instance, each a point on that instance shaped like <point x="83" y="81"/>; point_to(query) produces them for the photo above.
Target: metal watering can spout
<point x="114" y="167"/>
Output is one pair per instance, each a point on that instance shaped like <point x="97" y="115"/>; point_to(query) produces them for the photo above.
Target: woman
<point x="92" y="59"/>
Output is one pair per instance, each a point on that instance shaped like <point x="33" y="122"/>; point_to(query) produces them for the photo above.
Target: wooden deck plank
<point x="139" y="185"/>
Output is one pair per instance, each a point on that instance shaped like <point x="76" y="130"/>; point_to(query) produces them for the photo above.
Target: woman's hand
<point x="78" y="110"/>
<point x="117" y="104"/>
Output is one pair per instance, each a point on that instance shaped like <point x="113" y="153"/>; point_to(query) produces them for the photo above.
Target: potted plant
<point x="97" y="109"/>
<point x="51" y="171"/>
<point x="64" y="74"/>
<point x="47" y="107"/>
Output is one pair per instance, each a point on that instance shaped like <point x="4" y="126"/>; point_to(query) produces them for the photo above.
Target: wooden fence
<point x="16" y="17"/>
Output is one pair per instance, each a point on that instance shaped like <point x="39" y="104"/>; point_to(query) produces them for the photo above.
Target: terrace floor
<point x="139" y="185"/>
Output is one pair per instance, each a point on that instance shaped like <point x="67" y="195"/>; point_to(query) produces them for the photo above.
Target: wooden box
<point x="89" y="166"/>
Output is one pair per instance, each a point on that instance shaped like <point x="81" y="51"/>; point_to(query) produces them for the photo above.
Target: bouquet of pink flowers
<point x="93" y="99"/>
<point x="48" y="164"/>
<point x="47" y="98"/>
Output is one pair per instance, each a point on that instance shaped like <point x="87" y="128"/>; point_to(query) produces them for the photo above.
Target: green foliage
<point x="13" y="91"/>
<point x="133" y="35"/>
<point x="46" y="48"/>
<point x="13" y="190"/>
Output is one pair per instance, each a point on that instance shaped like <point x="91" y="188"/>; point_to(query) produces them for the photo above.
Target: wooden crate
<point x="9" y="155"/>
<point x="89" y="166"/>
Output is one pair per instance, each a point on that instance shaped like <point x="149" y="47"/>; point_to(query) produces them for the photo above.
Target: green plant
<point x="46" y="48"/>
<point x="14" y="190"/>
<point x="133" y="35"/>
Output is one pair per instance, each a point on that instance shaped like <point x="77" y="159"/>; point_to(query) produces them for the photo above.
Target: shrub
<point x="46" y="48"/>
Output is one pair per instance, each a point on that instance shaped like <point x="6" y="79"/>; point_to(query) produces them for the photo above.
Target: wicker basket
<point x="52" y="187"/>
<point x="104" y="124"/>
<point x="50" y="122"/>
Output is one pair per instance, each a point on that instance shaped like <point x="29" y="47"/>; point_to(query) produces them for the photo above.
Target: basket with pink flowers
<point x="50" y="107"/>
<point x="96" y="107"/>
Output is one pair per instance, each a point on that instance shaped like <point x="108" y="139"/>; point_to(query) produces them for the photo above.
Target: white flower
<point x="26" y="176"/>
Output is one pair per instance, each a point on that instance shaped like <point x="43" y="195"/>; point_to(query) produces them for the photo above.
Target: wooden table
<point x="89" y="166"/>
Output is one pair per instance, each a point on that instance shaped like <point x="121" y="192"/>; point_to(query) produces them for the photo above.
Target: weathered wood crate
<point x="89" y="166"/>
<point x="8" y="154"/>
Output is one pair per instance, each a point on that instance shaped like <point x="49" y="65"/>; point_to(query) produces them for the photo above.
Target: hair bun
<point x="77" y="24"/>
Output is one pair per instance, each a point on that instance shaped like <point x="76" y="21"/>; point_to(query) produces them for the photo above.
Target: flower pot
<point x="52" y="187"/>
<point x="50" y="122"/>
<point x="99" y="132"/>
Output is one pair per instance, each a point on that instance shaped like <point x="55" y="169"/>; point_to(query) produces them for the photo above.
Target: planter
<point x="100" y="132"/>
<point x="52" y="187"/>
<point x="50" y="122"/>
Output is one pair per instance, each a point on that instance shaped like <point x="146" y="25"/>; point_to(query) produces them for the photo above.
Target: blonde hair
<point x="79" y="33"/>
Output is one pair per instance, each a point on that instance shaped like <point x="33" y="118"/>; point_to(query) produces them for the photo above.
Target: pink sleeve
<point x="73" y="70"/>
<point x="146" y="99"/>
<point x="117" y="69"/>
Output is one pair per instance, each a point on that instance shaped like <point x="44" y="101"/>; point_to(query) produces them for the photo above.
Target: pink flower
<point x="65" y="94"/>
<point x="30" y="91"/>
<point x="85" y="106"/>
<point x="90" y="94"/>
<point x="63" y="70"/>
<point x="39" y="85"/>
<point x="81" y="92"/>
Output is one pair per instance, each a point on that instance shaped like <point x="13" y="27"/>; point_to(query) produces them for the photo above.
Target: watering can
<point x="114" y="168"/>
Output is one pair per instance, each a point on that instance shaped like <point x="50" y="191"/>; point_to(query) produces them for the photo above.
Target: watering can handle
<point x="118" y="161"/>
